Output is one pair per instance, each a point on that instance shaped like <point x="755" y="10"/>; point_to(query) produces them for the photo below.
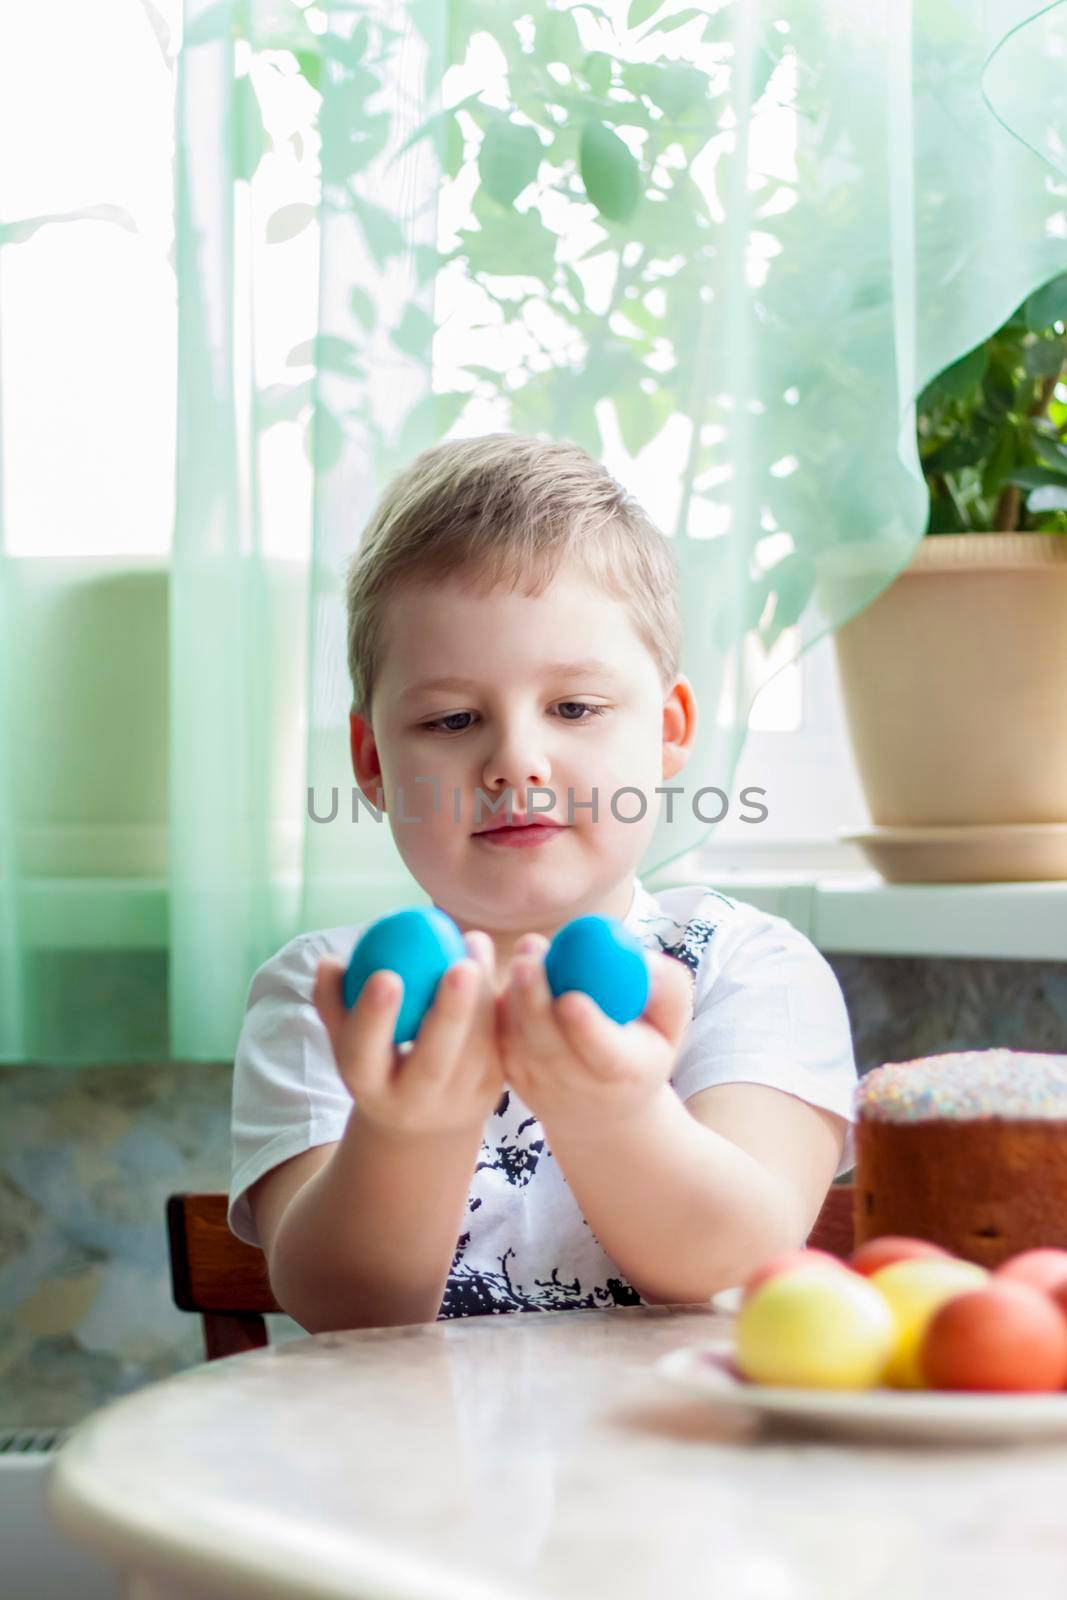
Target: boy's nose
<point x="519" y="770"/>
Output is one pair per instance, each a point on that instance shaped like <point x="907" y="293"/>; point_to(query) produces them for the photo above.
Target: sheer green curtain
<point x="722" y="246"/>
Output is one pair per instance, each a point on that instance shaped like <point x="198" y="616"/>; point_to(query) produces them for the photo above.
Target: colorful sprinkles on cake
<point x="966" y="1085"/>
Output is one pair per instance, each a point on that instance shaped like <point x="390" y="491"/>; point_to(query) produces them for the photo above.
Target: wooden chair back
<point x="216" y="1274"/>
<point x="225" y="1280"/>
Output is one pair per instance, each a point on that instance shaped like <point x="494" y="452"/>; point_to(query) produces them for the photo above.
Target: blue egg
<point x="602" y="958"/>
<point x="420" y="944"/>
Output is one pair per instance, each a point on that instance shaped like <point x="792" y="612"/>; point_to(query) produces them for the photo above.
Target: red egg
<point x="789" y="1261"/>
<point x="877" y="1253"/>
<point x="1007" y="1336"/>
<point x="1043" y="1268"/>
<point x="1058" y="1296"/>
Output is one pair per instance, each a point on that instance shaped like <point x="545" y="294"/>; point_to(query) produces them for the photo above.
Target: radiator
<point x="37" y="1560"/>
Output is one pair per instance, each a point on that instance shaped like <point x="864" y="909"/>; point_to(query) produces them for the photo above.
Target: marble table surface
<point x="492" y="1458"/>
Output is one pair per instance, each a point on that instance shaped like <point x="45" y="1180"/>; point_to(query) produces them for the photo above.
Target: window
<point x="88" y="318"/>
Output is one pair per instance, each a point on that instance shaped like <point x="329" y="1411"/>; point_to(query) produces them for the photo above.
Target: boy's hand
<point x="450" y="1078"/>
<point x="576" y="1069"/>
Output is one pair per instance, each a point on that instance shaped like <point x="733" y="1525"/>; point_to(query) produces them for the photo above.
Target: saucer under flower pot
<point x="1003" y="852"/>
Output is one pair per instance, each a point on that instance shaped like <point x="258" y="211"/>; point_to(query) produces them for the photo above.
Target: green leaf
<point x="1046" y="305"/>
<point x="1002" y="459"/>
<point x="945" y="515"/>
<point x="998" y="393"/>
<point x="362" y="307"/>
<point x="578" y="422"/>
<point x="574" y="285"/>
<point x="250" y="139"/>
<point x="763" y="65"/>
<point x="1045" y="357"/>
<point x="329" y="352"/>
<point x="508" y="160"/>
<point x="414" y="333"/>
<point x="597" y="70"/>
<point x="957" y="381"/>
<point x="281" y="402"/>
<point x="443" y="128"/>
<point x="324" y="439"/>
<point x="352" y="136"/>
<point x="1052" y="451"/>
<point x="428" y="260"/>
<point x="1037" y="478"/>
<point x="641" y="416"/>
<point x="673" y="87"/>
<point x="534" y="406"/>
<point x="383" y="233"/>
<point x="679" y="19"/>
<point x="429" y="420"/>
<point x="516" y="245"/>
<point x="635" y="311"/>
<point x="455" y="147"/>
<point x="678" y="224"/>
<point x="310" y="64"/>
<point x="558" y="39"/>
<point x="290" y="220"/>
<point x="485" y="374"/>
<point x="640" y="10"/>
<point x="965" y="447"/>
<point x="611" y="176"/>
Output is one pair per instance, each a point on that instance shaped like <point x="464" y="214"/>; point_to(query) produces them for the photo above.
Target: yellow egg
<point x="913" y="1290"/>
<point x="815" y="1328"/>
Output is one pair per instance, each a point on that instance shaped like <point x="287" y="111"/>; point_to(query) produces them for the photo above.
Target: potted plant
<point x="954" y="679"/>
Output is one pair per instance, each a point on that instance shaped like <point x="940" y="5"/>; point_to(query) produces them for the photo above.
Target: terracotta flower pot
<point x="954" y="681"/>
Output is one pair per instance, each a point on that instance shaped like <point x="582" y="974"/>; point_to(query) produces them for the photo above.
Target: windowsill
<point x="854" y="911"/>
<point x="846" y="911"/>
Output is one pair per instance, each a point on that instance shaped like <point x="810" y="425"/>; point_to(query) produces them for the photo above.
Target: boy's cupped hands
<point x="450" y="1078"/>
<point x="575" y="1068"/>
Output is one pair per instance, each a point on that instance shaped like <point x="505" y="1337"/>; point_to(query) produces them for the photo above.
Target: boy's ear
<point x="366" y="764"/>
<point x="679" y="725"/>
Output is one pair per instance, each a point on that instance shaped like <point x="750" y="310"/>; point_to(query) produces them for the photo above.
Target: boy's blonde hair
<point x="508" y="509"/>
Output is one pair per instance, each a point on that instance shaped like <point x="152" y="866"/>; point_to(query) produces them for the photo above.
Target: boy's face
<point x="518" y="723"/>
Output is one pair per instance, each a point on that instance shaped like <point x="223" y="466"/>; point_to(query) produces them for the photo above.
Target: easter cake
<point x="967" y="1150"/>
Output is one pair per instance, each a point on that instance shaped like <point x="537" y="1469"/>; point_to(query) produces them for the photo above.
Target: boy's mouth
<point x="521" y="833"/>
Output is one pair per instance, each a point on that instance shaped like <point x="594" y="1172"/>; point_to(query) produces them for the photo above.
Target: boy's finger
<point x="362" y="1038"/>
<point x="670" y="1002"/>
<point x="484" y="953"/>
<point x="481" y="950"/>
<point x="530" y="1007"/>
<point x="444" y="1029"/>
<point x="592" y="1036"/>
<point x="480" y="947"/>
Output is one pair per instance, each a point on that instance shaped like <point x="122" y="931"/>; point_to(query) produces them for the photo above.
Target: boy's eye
<point x="442" y="723"/>
<point x="580" y="705"/>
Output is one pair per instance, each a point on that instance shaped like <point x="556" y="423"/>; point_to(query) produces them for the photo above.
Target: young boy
<point x="525" y="1153"/>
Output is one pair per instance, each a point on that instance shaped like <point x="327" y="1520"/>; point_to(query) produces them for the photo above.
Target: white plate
<point x="939" y="1417"/>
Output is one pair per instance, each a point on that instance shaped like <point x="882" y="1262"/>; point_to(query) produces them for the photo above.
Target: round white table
<point x="526" y="1455"/>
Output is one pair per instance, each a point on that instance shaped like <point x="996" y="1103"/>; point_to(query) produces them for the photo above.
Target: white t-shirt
<point x="767" y="1008"/>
